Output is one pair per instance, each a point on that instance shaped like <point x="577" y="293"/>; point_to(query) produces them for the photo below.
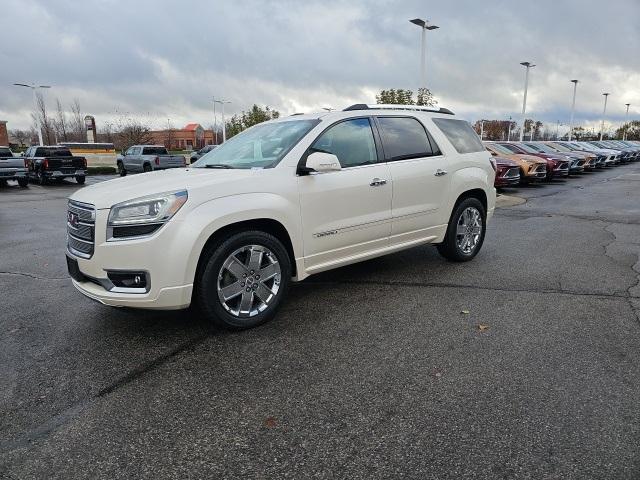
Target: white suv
<point x="279" y="202"/>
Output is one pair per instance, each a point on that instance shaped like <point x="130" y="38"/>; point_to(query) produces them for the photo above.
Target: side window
<point x="351" y="141"/>
<point x="136" y="151"/>
<point x="463" y="138"/>
<point x="129" y="151"/>
<point x="404" y="138"/>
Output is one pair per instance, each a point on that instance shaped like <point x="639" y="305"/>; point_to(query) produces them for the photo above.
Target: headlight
<point x="142" y="216"/>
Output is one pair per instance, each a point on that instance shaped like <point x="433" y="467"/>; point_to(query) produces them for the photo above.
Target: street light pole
<point x="215" y="123"/>
<point x="424" y="25"/>
<point x="626" y="123"/>
<point x="33" y="88"/>
<point x="481" y="129"/>
<point x="573" y="107"/>
<point x="528" y="65"/>
<point x="604" y="112"/>
<point x="224" y="125"/>
<point x="509" y="130"/>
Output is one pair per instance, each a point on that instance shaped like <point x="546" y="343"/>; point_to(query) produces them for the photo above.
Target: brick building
<point x="192" y="137"/>
<point x="4" y="135"/>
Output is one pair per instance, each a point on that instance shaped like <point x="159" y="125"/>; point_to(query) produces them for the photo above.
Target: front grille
<point x="81" y="229"/>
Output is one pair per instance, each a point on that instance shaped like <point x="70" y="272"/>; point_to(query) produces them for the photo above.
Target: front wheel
<point x="40" y="176"/>
<point x="80" y="179"/>
<point x="243" y="280"/>
<point x="121" y="170"/>
<point x="465" y="233"/>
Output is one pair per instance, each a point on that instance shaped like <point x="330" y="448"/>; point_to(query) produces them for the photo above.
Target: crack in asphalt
<point x="45" y="429"/>
<point x="33" y="276"/>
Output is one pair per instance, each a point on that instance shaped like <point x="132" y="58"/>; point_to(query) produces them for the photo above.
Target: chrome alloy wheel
<point x="469" y="230"/>
<point x="249" y="280"/>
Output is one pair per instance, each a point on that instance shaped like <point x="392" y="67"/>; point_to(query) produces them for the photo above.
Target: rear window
<point x="463" y="138"/>
<point x="6" y="152"/>
<point x="52" y="152"/>
<point x="154" y="151"/>
<point x="404" y="138"/>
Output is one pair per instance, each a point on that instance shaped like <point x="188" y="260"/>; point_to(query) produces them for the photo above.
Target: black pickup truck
<point x="48" y="163"/>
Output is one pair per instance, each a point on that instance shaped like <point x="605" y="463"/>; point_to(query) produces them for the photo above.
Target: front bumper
<point x="170" y="286"/>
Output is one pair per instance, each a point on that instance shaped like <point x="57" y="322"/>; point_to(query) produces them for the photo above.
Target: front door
<point x="346" y="214"/>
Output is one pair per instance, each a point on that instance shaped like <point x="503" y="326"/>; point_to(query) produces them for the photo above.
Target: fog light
<point x="122" y="279"/>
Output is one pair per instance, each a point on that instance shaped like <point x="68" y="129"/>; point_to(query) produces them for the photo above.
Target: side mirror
<point x="321" y="162"/>
<point x="493" y="153"/>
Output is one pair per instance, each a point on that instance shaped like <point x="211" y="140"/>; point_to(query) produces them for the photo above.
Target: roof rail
<point x="385" y="106"/>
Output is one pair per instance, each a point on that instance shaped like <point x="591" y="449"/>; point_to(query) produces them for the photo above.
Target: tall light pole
<point x="573" y="107"/>
<point x="224" y="125"/>
<point x="215" y="123"/>
<point x="524" y="101"/>
<point x="509" y="130"/>
<point x="481" y="129"/>
<point x="33" y="88"/>
<point x="424" y="25"/>
<point x="604" y="112"/>
<point x="626" y="123"/>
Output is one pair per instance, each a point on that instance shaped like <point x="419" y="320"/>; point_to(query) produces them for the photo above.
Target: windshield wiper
<point x="217" y="165"/>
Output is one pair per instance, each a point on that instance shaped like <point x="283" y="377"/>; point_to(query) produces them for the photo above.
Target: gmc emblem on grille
<point x="73" y="219"/>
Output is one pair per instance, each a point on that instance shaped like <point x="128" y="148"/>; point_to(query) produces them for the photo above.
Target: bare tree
<point x="41" y="114"/>
<point x="21" y="137"/>
<point x="77" y="122"/>
<point x="170" y="135"/>
<point x="60" y="123"/>
<point x="131" y="131"/>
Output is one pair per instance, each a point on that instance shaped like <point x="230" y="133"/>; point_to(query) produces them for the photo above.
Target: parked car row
<point x="42" y="164"/>
<point x="529" y="162"/>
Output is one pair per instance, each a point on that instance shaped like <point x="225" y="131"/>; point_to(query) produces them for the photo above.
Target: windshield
<point x="261" y="146"/>
<point x="499" y="148"/>
<point x="527" y="148"/>
<point x="561" y="148"/>
<point x="5" y="152"/>
<point x="540" y="147"/>
<point x="511" y="148"/>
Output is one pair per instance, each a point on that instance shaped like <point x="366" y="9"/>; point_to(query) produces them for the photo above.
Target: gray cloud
<point x="166" y="59"/>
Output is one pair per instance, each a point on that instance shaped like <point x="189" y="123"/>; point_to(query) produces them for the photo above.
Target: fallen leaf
<point x="270" y="422"/>
<point x="482" y="327"/>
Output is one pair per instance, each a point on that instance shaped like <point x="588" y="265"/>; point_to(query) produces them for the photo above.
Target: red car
<point x="507" y="172"/>
<point x="557" y="165"/>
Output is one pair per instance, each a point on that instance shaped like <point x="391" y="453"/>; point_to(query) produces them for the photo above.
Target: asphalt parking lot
<point x="524" y="363"/>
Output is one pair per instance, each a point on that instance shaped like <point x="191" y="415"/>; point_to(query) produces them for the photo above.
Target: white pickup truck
<point x="13" y="168"/>
<point x="147" y="158"/>
<point x="283" y="200"/>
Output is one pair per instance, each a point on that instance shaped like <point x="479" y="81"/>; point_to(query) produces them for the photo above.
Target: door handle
<point x="440" y="173"/>
<point x="376" y="182"/>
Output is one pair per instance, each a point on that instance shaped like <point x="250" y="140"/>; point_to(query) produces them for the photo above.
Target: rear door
<point x="420" y="177"/>
<point x="346" y="214"/>
<point x="133" y="160"/>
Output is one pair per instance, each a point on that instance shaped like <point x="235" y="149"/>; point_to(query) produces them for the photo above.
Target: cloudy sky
<point x="159" y="59"/>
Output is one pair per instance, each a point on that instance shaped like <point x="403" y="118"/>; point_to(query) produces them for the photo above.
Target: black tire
<point x="23" y="182"/>
<point x="42" y="179"/>
<point x="121" y="170"/>
<point x="146" y="167"/>
<point x="211" y="272"/>
<point x="450" y="249"/>
<point x="81" y="179"/>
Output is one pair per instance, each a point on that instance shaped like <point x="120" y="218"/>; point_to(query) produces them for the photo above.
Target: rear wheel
<point x="23" y="182"/>
<point x="465" y="233"/>
<point x="243" y="280"/>
<point x="80" y="179"/>
<point x="146" y="167"/>
<point x="121" y="170"/>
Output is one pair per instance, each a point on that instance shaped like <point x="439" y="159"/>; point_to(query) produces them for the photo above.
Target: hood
<point x="502" y="161"/>
<point x="106" y="194"/>
<point x="530" y="158"/>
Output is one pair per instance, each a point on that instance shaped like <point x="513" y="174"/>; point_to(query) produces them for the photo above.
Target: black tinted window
<point x="404" y="137"/>
<point x="351" y="141"/>
<point x="154" y="151"/>
<point x="463" y="138"/>
<point x="52" y="152"/>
